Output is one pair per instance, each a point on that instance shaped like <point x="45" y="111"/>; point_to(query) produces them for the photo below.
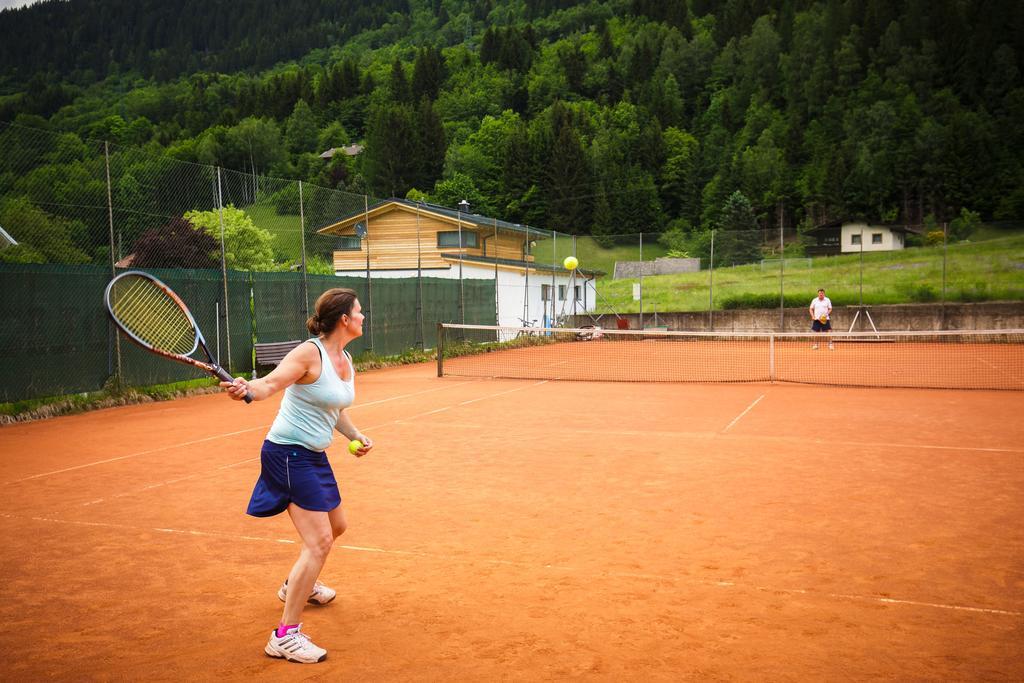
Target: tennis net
<point x="977" y="359"/>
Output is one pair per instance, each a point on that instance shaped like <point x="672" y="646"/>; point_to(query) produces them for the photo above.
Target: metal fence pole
<point x="224" y="272"/>
<point x="526" y="286"/>
<point x="302" y="242"/>
<point x="945" y="241"/>
<point x="554" y="283"/>
<point x="420" y="342"/>
<point x="782" y="272"/>
<point x="641" y="324"/>
<point x="116" y="369"/>
<point x="860" y="295"/>
<point x="573" y="284"/>
<point x="462" y="292"/>
<point x="497" y="307"/>
<point x="368" y="313"/>
<point x="711" y="284"/>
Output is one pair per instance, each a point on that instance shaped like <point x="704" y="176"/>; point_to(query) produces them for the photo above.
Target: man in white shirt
<point x="821" y="315"/>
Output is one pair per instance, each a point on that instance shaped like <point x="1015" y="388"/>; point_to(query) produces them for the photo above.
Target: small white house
<point x="857" y="237"/>
<point x="854" y="236"/>
<point x="399" y="238"/>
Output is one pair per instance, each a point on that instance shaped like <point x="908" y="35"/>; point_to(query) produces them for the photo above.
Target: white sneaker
<point x="295" y="646"/>
<point x="321" y="594"/>
<point x="830" y="347"/>
<point x="814" y="346"/>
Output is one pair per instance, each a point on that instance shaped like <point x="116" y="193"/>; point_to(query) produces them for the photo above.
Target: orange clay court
<point x="533" y="530"/>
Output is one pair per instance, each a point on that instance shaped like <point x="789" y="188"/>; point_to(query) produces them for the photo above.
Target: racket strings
<point x="154" y="317"/>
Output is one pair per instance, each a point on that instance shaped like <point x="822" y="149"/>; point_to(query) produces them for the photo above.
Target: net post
<point x="771" y="358"/>
<point x="440" y="349"/>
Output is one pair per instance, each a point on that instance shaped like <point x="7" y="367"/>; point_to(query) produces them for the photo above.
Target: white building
<point x="398" y="238"/>
<point x="854" y="236"/>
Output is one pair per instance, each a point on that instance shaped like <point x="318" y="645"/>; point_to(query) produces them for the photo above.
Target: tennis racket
<point x="156" y="318"/>
<point x="823" y="319"/>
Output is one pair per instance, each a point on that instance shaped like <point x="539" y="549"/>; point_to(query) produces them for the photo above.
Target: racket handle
<point x="223" y="375"/>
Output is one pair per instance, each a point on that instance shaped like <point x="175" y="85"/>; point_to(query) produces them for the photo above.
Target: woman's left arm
<point x="344" y="426"/>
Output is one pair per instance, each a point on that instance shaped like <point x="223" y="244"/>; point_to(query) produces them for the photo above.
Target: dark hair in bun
<point x="331" y="305"/>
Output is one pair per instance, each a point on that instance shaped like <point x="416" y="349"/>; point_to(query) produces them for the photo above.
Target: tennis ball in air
<point x="354" y="445"/>
<point x="570" y="263"/>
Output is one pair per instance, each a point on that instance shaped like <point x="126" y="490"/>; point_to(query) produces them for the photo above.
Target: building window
<point x="348" y="244"/>
<point x="561" y="292"/>
<point x="578" y="297"/>
<point x="855" y="238"/>
<point x="451" y="239"/>
<point x="876" y="238"/>
<point x="545" y="292"/>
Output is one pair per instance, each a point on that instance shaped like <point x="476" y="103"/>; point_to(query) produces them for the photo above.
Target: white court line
<point x="528" y="565"/>
<point x="752" y="437"/>
<point x="134" y="455"/>
<point x="169" y="482"/>
<point x="247" y="460"/>
<point x="456" y="405"/>
<point x="1018" y="380"/>
<point x="213" y="438"/>
<point x="737" y="418"/>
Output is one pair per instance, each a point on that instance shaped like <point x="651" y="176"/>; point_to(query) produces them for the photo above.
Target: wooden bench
<point x="272" y="353"/>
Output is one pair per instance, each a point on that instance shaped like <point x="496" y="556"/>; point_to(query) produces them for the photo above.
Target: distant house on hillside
<point x="853" y="236"/>
<point x="399" y="238"/>
<point x="350" y="151"/>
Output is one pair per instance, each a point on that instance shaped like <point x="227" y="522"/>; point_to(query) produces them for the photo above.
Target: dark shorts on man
<point x="293" y="474"/>
<point x="819" y="326"/>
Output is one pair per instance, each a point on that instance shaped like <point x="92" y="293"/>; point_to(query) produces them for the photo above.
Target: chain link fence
<point x="248" y="254"/>
<point x="244" y="251"/>
<point x="858" y="267"/>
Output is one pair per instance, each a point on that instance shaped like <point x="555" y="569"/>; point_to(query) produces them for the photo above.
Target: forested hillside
<point x="603" y="117"/>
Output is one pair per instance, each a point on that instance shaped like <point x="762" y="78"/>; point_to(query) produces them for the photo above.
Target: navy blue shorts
<point x="293" y="474"/>
<point x="818" y="326"/>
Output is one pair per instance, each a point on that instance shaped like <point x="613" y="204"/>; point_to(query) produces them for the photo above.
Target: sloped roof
<point x="832" y="225"/>
<point x="532" y="265"/>
<point x="351" y="150"/>
<point x="346" y="224"/>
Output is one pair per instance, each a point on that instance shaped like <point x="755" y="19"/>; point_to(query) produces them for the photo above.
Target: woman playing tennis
<point x="318" y="380"/>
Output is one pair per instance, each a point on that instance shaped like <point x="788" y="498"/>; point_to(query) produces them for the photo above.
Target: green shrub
<point x="761" y="301"/>
<point x="924" y="294"/>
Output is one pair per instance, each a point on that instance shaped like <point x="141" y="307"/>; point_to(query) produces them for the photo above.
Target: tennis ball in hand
<point x="570" y="262"/>
<point x="354" y="445"/>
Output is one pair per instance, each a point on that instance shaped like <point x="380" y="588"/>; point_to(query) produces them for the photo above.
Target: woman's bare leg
<point x="317" y="532"/>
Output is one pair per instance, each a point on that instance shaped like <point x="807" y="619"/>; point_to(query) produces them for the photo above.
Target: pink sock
<point x="282" y="629"/>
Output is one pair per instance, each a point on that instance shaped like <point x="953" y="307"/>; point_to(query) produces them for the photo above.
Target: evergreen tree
<point x="737" y="239"/>
<point x="427" y="74"/>
<point x="567" y="177"/>
<point x="430" y="145"/>
<point x="399" y="87"/>
<point x="603" y="224"/>
<point x="301" y="130"/>
<point x="390" y="159"/>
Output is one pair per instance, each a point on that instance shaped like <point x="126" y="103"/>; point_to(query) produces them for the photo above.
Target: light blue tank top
<point x="309" y="412"/>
